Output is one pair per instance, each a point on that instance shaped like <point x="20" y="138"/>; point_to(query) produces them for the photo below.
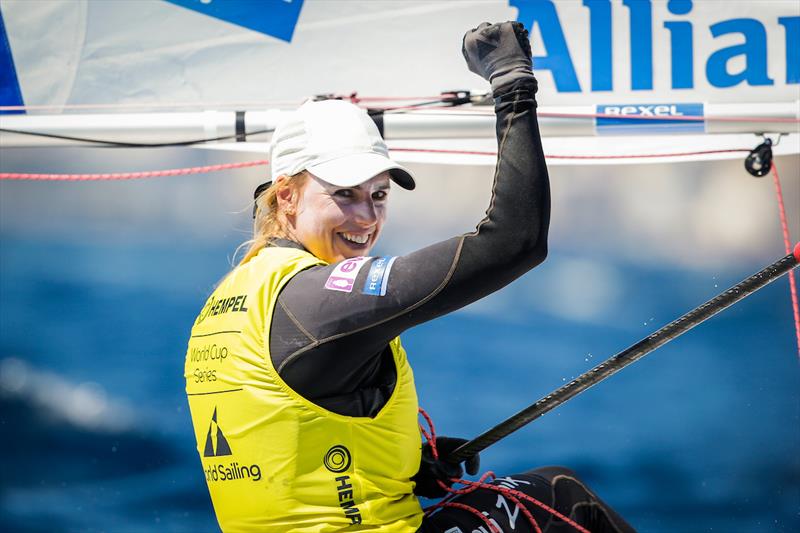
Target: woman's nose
<point x="366" y="214"/>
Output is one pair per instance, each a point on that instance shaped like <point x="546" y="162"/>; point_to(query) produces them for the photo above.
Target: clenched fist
<point x="499" y="53"/>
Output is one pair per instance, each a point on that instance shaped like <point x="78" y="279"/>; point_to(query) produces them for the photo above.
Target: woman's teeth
<point x="358" y="239"/>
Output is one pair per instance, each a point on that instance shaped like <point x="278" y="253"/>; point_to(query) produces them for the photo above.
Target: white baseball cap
<point x="336" y="141"/>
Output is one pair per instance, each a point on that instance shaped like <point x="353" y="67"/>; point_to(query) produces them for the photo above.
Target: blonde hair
<point x="269" y="223"/>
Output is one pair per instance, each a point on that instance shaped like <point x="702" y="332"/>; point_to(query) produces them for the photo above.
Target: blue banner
<point x="650" y="118"/>
<point x="10" y="95"/>
<point x="277" y="18"/>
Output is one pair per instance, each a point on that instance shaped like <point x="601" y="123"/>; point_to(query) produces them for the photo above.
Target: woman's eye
<point x="379" y="195"/>
<point x="344" y="193"/>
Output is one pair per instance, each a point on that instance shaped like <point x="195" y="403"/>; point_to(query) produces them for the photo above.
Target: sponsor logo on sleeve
<point x="378" y="278"/>
<point x="343" y="277"/>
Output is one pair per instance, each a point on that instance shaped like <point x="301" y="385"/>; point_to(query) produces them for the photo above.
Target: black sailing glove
<point x="499" y="53"/>
<point x="432" y="470"/>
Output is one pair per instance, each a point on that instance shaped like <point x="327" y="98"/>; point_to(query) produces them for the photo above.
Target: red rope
<point x="430" y="437"/>
<point x="230" y="166"/>
<point x="550" y="156"/>
<point x="356" y="99"/>
<point x="474" y="511"/>
<point x="412" y="107"/>
<point x="524" y="509"/>
<point x="788" y="246"/>
<point x="442" y="151"/>
<point x="510" y="494"/>
<point x="514" y="496"/>
<point x="644" y="156"/>
<point x="130" y="175"/>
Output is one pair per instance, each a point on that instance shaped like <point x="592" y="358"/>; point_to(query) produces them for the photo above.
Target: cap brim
<point x="355" y="169"/>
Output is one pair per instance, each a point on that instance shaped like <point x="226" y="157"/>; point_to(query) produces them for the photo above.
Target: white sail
<point x="164" y="71"/>
<point x="203" y="52"/>
<point x="98" y="77"/>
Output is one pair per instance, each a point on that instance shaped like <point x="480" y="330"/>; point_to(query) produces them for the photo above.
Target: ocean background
<point x="100" y="283"/>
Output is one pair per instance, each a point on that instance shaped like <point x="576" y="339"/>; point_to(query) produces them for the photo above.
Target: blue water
<point x="701" y="435"/>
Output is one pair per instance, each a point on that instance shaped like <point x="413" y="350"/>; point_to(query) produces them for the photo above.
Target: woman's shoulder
<point x="279" y="259"/>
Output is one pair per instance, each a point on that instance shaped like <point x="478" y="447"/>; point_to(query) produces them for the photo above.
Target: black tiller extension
<point x="624" y="358"/>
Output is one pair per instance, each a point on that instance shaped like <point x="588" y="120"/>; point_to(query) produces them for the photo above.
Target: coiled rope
<point x="514" y="496"/>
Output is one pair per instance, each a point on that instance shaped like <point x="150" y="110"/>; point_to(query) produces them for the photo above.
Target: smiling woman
<point x="335" y="222"/>
<point x="330" y="182"/>
<point x="332" y="221"/>
<point x="316" y="391"/>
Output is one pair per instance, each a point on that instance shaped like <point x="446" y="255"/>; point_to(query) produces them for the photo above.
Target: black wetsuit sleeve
<point x="330" y="345"/>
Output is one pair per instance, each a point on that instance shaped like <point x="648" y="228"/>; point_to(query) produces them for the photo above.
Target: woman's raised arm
<point x="341" y="335"/>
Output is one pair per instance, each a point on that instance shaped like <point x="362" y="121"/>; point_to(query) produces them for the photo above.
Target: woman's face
<point x="335" y="223"/>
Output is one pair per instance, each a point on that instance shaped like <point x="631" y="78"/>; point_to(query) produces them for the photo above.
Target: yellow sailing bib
<point x="273" y="460"/>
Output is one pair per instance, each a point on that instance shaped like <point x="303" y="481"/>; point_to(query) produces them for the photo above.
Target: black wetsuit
<point x="331" y="346"/>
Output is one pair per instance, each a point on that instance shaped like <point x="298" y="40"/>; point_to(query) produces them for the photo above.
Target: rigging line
<point x="788" y="246"/>
<point x="441" y="106"/>
<point x="204" y="104"/>
<point x="151" y="105"/>
<point x="472" y="510"/>
<point x="443" y="99"/>
<point x="630" y="355"/>
<point x="471" y="486"/>
<point x="447" y="110"/>
<point x="407" y="108"/>
<point x="550" y="156"/>
<point x="635" y="156"/>
<point x="392" y="98"/>
<point x="122" y="144"/>
<point x="130" y="175"/>
<point x="684" y="118"/>
<point x="214" y="168"/>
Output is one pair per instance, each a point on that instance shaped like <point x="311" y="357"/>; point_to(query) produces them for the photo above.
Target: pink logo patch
<point x="343" y="277"/>
<point x="348" y="266"/>
<point x="339" y="284"/>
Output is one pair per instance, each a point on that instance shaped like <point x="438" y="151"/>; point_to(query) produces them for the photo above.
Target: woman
<point x="302" y="398"/>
